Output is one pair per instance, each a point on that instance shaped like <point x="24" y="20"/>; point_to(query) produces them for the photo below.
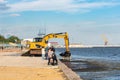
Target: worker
<point x="2" y="48"/>
<point x="21" y="47"/>
<point x="43" y="53"/>
<point x="46" y="53"/>
<point x="50" y="52"/>
<point x="54" y="57"/>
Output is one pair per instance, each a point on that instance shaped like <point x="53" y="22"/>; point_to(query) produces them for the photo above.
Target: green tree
<point x="13" y="39"/>
<point x="2" y="39"/>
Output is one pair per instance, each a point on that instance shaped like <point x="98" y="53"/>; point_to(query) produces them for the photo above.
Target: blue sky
<point x="84" y="20"/>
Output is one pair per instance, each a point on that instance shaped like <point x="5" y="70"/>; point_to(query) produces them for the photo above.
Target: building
<point x="25" y="41"/>
<point x="55" y="44"/>
<point x="76" y="45"/>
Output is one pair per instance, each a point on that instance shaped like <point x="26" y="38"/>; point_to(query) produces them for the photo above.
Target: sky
<point x="84" y="20"/>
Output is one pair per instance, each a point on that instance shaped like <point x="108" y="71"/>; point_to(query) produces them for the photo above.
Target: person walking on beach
<point x="54" y="57"/>
<point x="43" y="53"/>
<point x="21" y="47"/>
<point x="2" y="48"/>
<point x="50" y="52"/>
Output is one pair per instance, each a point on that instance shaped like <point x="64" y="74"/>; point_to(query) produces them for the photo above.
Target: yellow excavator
<point x="35" y="47"/>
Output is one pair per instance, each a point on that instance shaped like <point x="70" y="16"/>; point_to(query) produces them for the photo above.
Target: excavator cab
<point x="37" y="39"/>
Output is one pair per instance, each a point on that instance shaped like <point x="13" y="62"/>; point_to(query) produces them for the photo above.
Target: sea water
<point x="96" y="63"/>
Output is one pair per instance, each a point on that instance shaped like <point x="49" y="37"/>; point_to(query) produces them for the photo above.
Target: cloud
<point x="14" y="15"/>
<point x="59" y="5"/>
<point x="97" y="4"/>
<point x="3" y="5"/>
<point x="1" y="1"/>
<point x="82" y="6"/>
<point x="41" y="5"/>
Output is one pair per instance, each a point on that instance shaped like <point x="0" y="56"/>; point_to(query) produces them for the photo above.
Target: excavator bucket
<point x="65" y="54"/>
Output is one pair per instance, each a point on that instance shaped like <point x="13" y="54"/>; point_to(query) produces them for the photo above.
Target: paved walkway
<point x="14" y="59"/>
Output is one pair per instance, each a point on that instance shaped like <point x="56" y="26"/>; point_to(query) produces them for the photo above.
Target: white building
<point x="24" y="41"/>
<point x="76" y="45"/>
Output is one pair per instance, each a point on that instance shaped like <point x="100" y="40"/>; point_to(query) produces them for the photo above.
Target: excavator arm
<point x="56" y="35"/>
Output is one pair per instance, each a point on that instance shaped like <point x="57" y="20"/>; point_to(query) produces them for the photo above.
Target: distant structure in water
<point x="105" y="39"/>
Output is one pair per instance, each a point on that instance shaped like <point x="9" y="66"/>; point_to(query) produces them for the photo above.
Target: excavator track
<point x="34" y="52"/>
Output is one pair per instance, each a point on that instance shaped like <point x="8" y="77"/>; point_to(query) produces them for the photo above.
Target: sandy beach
<point x="15" y="67"/>
<point x="28" y="73"/>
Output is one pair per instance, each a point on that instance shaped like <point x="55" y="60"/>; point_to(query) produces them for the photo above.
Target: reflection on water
<point x="95" y="63"/>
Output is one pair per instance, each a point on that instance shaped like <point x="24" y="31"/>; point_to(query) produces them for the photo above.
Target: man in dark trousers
<point x="54" y="57"/>
<point x="2" y="48"/>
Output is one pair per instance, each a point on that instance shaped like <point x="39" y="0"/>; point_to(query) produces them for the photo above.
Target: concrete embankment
<point x="16" y="67"/>
<point x="68" y="72"/>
